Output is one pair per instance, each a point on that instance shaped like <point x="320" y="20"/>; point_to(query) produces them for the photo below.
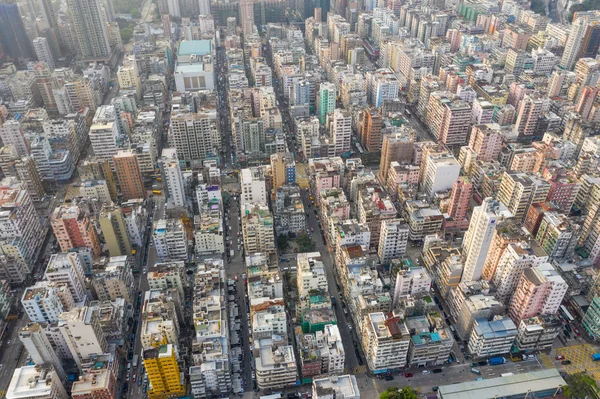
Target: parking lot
<point x="581" y="360"/>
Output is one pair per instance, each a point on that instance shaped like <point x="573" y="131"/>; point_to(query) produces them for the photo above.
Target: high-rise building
<point x="129" y="175"/>
<point x="327" y="100"/>
<point x="114" y="230"/>
<point x="42" y="51"/>
<point x="98" y="378"/>
<point x="171" y="172"/>
<point x="42" y="302"/>
<point x="40" y="382"/>
<point x="283" y="169"/>
<point x="12" y="133"/>
<point x="103" y="138"/>
<point x="95" y="169"/>
<point x="28" y="173"/>
<point x="479" y="237"/>
<point x="73" y="228"/>
<point x="163" y="372"/>
<point x="91" y="32"/>
<point x="82" y="333"/>
<point x="20" y="232"/>
<point x="341" y="131"/>
<point x="486" y="141"/>
<point x="129" y="77"/>
<point x="253" y="186"/>
<point x="382" y="336"/>
<point x="195" y="135"/>
<point x="516" y="258"/>
<point x="257" y="228"/>
<point x="583" y="40"/>
<point x="382" y="85"/>
<point x="531" y="108"/>
<point x="393" y="239"/>
<point x="397" y="147"/>
<point x="67" y="268"/>
<point x="204" y="7"/>
<point x="460" y="199"/>
<point x="518" y="191"/>
<point x="540" y="291"/>
<point x="170" y="239"/>
<point x="13" y="36"/>
<point x="370" y="133"/>
<point x="440" y="172"/>
<point x="247" y="17"/>
<point x="34" y="339"/>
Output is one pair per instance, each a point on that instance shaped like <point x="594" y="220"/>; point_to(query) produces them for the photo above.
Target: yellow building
<point x="114" y="230"/>
<point x="163" y="373"/>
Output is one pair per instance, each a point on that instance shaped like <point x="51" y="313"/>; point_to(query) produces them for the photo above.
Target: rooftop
<point x="195" y="47"/>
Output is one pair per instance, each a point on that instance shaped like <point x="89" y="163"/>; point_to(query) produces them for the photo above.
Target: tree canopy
<point x="580" y="385"/>
<point x="395" y="393"/>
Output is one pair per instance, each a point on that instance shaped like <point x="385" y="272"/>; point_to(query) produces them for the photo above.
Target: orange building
<point x="129" y="175"/>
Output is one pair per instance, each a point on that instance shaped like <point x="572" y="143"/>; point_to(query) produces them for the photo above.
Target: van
<point x="476" y="371"/>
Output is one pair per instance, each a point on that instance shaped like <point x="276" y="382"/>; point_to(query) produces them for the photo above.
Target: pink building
<point x="325" y="173"/>
<point x="563" y="188"/>
<point x="401" y="175"/>
<point x="486" y="140"/>
<point x="540" y="290"/>
<point x="458" y="211"/>
<point x="73" y="229"/>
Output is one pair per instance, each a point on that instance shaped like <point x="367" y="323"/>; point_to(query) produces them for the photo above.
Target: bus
<point x="566" y="313"/>
<point x="157" y="192"/>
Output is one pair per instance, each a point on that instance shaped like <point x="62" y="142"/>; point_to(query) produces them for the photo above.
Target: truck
<point x="506" y="374"/>
<point x="596" y="357"/>
<point x="231" y="253"/>
<point x="494" y="361"/>
<point x="135" y="361"/>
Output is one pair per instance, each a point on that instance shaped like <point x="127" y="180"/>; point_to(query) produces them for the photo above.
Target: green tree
<point x="135" y="13"/>
<point x="305" y="243"/>
<point x="580" y="385"/>
<point x="395" y="393"/>
<point x="283" y="242"/>
<point x="126" y="34"/>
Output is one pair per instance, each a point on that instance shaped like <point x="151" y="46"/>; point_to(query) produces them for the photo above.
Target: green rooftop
<point x="197" y="47"/>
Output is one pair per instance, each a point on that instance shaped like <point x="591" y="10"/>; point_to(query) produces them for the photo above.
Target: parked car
<point x="560" y="357"/>
<point x="566" y="362"/>
<point x="426" y="371"/>
<point x="437" y="371"/>
<point x="389" y="377"/>
<point x="409" y="375"/>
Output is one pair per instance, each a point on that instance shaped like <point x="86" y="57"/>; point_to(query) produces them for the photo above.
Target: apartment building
<point x="423" y="219"/>
<point x="538" y="333"/>
<point x="492" y="338"/>
<point x="385" y="340"/>
<point x="396" y="147"/>
<point x="393" y="240"/>
<point x="258" y="229"/>
<point x="129" y="176"/>
<point x="253" y="186"/>
<point x="160" y="323"/>
<point x="37" y="381"/>
<point x="43" y="303"/>
<point x="114" y="230"/>
<point x="411" y="282"/>
<point x="113" y="278"/>
<point x="440" y="172"/>
<point x="518" y="191"/>
<point x="168" y="275"/>
<point x="540" y="291"/>
<point x="325" y="173"/>
<point x="343" y="386"/>
<point x="81" y="332"/>
<point x="275" y="366"/>
<point x="557" y="235"/>
<point x="97" y="380"/>
<point x="171" y="172"/>
<point x="170" y="239"/>
<point x="431" y="343"/>
<point x="162" y="368"/>
<point x="374" y="206"/>
<point x="73" y="228"/>
<point x="67" y="268"/>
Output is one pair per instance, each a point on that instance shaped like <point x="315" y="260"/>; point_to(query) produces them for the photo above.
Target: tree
<point x="395" y="393"/>
<point x="126" y="34"/>
<point x="305" y="243"/>
<point x="283" y="242"/>
<point x="135" y="13"/>
<point x="580" y="385"/>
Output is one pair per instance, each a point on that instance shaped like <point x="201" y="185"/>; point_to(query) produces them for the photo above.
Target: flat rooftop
<point x="514" y="385"/>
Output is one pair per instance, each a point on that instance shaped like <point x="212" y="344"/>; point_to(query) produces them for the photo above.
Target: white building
<point x="42" y="51"/>
<point x="258" y="228"/>
<point x="194" y="70"/>
<point x="104" y="140"/>
<point x="194" y="135"/>
<point x="410" y="282"/>
<point x="341" y="132"/>
<point x="441" y="171"/>
<point x="12" y="133"/>
<point x="393" y="240"/>
<point x="39" y="382"/>
<point x="479" y="236"/>
<point x="339" y="387"/>
<point x="41" y="303"/>
<point x="253" y="186"/>
<point x="491" y="338"/>
<point x="170" y="240"/>
<point x="82" y="332"/>
<point x="171" y="172"/>
<point x="38" y="346"/>
<point x="67" y="268"/>
<point x="275" y="366"/>
<point x="97" y="189"/>
<point x="382" y="85"/>
<point x="385" y="341"/>
<point x="311" y="274"/>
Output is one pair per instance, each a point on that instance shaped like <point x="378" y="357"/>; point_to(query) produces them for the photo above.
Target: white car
<point x="426" y="372"/>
